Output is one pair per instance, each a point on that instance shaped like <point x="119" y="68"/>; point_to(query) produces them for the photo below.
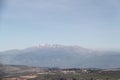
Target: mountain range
<point x="61" y="56"/>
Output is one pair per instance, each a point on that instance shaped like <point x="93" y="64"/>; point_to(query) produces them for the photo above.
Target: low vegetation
<point x="32" y="73"/>
<point x="80" y="76"/>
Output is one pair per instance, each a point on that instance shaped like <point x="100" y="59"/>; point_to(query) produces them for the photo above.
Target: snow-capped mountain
<point x="61" y="56"/>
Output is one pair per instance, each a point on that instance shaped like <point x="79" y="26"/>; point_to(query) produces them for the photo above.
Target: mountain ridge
<point x="61" y="56"/>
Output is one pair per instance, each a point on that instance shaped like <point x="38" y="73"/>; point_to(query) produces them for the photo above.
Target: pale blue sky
<point x="87" y="23"/>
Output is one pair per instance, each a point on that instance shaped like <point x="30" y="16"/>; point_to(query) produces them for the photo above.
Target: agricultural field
<point x="107" y="75"/>
<point x="12" y="72"/>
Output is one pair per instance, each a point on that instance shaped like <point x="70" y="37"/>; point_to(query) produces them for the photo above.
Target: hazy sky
<point x="88" y="23"/>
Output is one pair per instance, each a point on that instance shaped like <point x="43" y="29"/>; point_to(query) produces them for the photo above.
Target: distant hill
<point x="61" y="56"/>
<point x="17" y="70"/>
